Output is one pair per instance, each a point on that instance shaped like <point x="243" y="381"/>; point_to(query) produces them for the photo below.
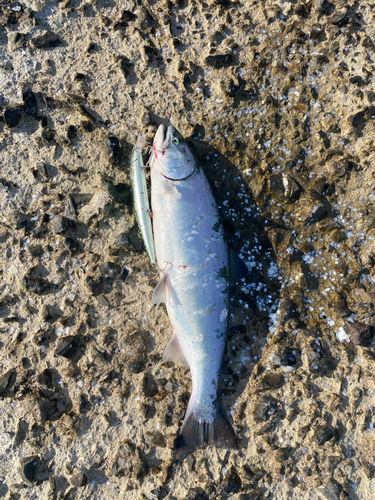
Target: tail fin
<point x="194" y="433"/>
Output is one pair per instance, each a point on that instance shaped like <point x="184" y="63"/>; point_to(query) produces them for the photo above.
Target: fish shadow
<point x="250" y="299"/>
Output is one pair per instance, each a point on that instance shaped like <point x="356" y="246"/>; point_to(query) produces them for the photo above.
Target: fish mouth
<point x="180" y="179"/>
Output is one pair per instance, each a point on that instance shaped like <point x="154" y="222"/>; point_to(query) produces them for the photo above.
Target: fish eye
<point x="176" y="141"/>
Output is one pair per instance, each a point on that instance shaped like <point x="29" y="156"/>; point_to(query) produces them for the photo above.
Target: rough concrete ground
<point x="277" y="101"/>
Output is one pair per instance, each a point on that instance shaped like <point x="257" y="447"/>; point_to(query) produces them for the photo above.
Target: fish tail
<point x="197" y="431"/>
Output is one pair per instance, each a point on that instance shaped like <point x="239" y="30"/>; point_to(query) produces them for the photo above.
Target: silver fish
<point x="193" y="255"/>
<point x="140" y="198"/>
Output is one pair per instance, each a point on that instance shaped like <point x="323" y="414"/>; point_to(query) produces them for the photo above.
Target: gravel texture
<point x="277" y="101"/>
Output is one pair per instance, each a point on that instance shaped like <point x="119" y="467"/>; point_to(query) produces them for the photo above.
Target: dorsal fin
<point x="237" y="268"/>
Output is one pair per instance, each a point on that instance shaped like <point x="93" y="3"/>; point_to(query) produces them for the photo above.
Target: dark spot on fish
<point x="216" y="227"/>
<point x="219" y="334"/>
<point x="222" y="273"/>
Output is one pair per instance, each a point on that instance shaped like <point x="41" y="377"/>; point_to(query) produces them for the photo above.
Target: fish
<point x="140" y="198"/>
<point x="196" y="272"/>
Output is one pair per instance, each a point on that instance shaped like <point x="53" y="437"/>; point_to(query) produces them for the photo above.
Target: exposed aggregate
<point x="277" y="101"/>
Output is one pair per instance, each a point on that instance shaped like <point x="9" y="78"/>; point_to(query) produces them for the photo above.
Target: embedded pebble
<point x="47" y="40"/>
<point x="78" y="479"/>
<point x="113" y="150"/>
<point x="17" y="40"/>
<point x="12" y="116"/>
<point x="220" y="60"/>
<point x="59" y="224"/>
<point x="30" y="103"/>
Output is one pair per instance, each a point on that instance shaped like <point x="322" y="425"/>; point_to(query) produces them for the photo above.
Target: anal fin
<point x="173" y="352"/>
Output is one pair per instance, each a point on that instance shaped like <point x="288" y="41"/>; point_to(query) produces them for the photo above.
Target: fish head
<point x="171" y="156"/>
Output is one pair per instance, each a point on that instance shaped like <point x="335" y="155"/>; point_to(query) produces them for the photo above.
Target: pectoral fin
<point x="173" y="352"/>
<point x="169" y="189"/>
<point x="237" y="268"/>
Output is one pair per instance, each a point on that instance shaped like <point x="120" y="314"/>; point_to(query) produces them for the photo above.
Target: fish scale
<point x="193" y="255"/>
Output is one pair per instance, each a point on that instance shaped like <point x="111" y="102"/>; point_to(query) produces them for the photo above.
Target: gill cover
<point x="171" y="156"/>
